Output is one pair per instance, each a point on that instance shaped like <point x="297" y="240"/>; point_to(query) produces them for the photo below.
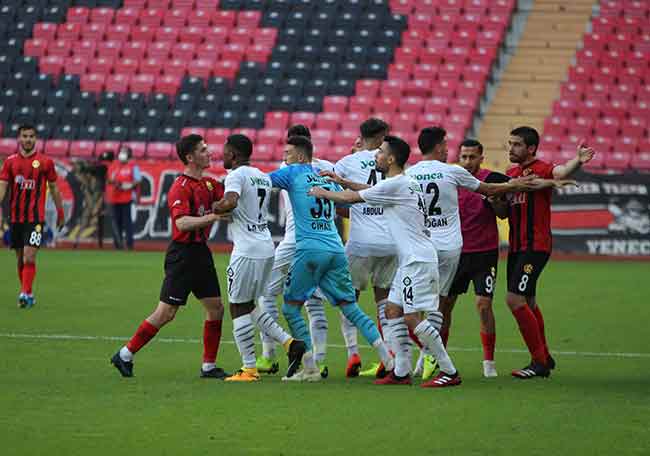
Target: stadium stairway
<point x="532" y="78"/>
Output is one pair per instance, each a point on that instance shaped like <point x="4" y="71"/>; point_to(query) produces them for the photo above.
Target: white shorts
<point x="284" y="254"/>
<point x="447" y="265"/>
<point x="247" y="278"/>
<point x="415" y="287"/>
<point x="380" y="270"/>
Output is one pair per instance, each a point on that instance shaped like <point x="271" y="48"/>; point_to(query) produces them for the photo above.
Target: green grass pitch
<point x="60" y="396"/>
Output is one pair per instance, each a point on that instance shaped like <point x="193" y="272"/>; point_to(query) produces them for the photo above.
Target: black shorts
<point x="26" y="234"/>
<point x="479" y="268"/>
<point x="524" y="268"/>
<point x="189" y="268"/>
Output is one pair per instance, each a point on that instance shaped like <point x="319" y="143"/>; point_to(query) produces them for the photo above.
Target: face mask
<point x="123" y="157"/>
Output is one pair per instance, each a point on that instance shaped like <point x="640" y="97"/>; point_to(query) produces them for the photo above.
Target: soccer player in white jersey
<point x="284" y="252"/>
<point x="246" y="194"/>
<point x="415" y="286"/>
<point x="370" y="249"/>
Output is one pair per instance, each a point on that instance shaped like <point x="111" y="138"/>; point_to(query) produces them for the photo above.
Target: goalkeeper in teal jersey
<point x="320" y="261"/>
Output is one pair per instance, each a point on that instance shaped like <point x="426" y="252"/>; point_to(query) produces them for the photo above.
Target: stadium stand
<point x="606" y="96"/>
<point x="142" y="71"/>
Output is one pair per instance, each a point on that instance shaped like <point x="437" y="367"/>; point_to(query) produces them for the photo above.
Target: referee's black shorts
<point x="189" y="268"/>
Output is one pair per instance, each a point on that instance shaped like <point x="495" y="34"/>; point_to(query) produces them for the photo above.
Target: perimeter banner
<point x="88" y="218"/>
<point x="605" y="215"/>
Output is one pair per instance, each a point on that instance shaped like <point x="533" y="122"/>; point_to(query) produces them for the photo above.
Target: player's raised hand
<point x="585" y="153"/>
<point x="332" y="176"/>
<point x="318" y="192"/>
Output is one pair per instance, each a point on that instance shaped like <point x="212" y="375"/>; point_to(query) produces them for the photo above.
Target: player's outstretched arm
<point x="226" y="204"/>
<point x="191" y="223"/>
<point x="58" y="203"/>
<point x="344" y="197"/>
<point x="583" y="155"/>
<point x="345" y="183"/>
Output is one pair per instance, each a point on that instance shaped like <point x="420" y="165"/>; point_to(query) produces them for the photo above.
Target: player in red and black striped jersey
<point x="189" y="267"/>
<point x="28" y="175"/>
<point x="529" y="216"/>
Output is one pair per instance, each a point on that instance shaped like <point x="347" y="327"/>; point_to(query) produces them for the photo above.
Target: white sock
<point x="381" y="313"/>
<point x="384" y="354"/>
<point x="266" y="324"/>
<point x="308" y="360"/>
<point x="401" y="342"/>
<point x="431" y="339"/>
<point x="317" y="327"/>
<point x="244" y="332"/>
<point x="208" y="366"/>
<point x="268" y="305"/>
<point x="349" y="332"/>
<point x="126" y="354"/>
<point x="435" y="318"/>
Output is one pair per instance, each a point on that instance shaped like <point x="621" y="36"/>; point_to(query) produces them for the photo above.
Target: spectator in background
<point x="124" y="178"/>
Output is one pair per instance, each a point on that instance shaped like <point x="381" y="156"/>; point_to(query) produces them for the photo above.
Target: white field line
<point x="180" y="340"/>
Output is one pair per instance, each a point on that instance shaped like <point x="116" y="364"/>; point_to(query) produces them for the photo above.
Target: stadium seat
<point x="159" y="150"/>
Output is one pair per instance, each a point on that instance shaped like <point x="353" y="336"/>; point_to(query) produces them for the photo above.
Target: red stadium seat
<point x="135" y="50"/>
<point x="69" y="31"/>
<point x="307" y="119"/>
<point x="102" y="65"/>
<point x="106" y="146"/>
<point x="84" y="48"/>
<point x="159" y="150"/>
<point x="641" y="161"/>
<point x="76" y="65"/>
<point x="8" y="146"/>
<point x="127" y="16"/>
<point x="250" y="132"/>
<point x="618" y="160"/>
<point x="137" y="148"/>
<point x="276" y="120"/>
<point x="216" y="136"/>
<point x="92" y="82"/>
<point x="126" y="66"/>
<point x="118" y="83"/>
<point x="57" y="147"/>
<point x="35" y="48"/>
<point x="102" y="15"/>
<point x="115" y="32"/>
<point x="79" y="15"/>
<point x="142" y="83"/>
<point x="199" y="18"/>
<point x="45" y="31"/>
<point x="168" y="84"/>
<point x="145" y="33"/>
<point x="82" y="148"/>
<point x="60" y="48"/>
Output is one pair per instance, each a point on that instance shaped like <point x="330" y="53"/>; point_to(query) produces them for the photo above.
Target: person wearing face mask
<point x="123" y="180"/>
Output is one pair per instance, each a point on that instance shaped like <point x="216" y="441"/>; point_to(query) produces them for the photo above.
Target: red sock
<point x="540" y="325"/>
<point x="530" y="332"/>
<point x="143" y="334"/>
<point x="488" y="341"/>
<point x="444" y="334"/>
<point x="29" y="271"/>
<point x="211" y="339"/>
<point x="20" y="273"/>
<point x="414" y="338"/>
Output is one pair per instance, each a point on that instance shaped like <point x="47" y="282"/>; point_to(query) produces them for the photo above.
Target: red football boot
<point x="392" y="379"/>
<point x="354" y="366"/>
<point x="442" y="380"/>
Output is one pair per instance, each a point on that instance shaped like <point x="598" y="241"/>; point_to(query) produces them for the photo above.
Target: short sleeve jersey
<point x="368" y="233"/>
<point x="440" y="183"/>
<point x="477" y="219"/>
<point x="289" y="226"/>
<point x="405" y="216"/>
<point x="249" y="229"/>
<point x="27" y="179"/>
<point x="192" y="197"/>
<point x="529" y="215"/>
<point x="313" y="217"/>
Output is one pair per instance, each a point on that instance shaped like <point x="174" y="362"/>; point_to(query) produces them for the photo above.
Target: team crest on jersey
<point x="407" y="281"/>
<point x="36" y="164"/>
<point x="38" y="228"/>
<point x="209" y="185"/>
<point x="528" y="268"/>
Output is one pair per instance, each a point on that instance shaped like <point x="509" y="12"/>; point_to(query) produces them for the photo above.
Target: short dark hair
<point x="303" y="143"/>
<point x="298" y="130"/>
<point x="242" y="145"/>
<point x="373" y="127"/>
<point x="528" y="134"/>
<point x="398" y="149"/>
<point x="26" y="127"/>
<point x="186" y="146"/>
<point x="472" y="143"/>
<point x="430" y="137"/>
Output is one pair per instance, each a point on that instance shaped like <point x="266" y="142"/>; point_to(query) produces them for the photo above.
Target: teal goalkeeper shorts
<point x="312" y="269"/>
